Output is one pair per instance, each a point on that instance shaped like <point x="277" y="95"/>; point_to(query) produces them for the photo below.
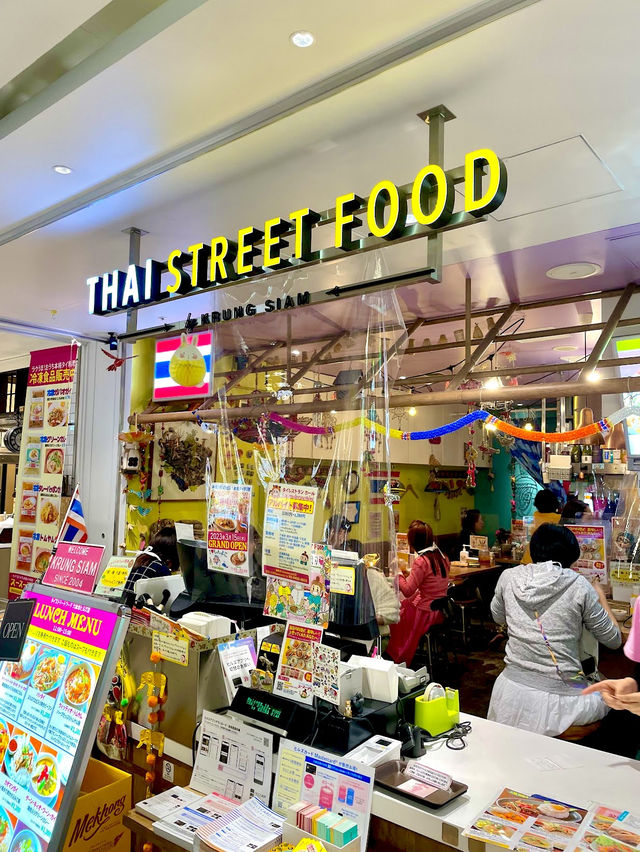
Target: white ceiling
<point x="32" y="27"/>
<point x="552" y="88"/>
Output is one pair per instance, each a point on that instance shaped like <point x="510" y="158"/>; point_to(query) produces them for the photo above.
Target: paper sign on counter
<point x="343" y="580"/>
<point x="170" y="648"/>
<point x="423" y="773"/>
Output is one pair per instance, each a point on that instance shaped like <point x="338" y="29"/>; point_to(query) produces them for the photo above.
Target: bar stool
<point x="466" y="606"/>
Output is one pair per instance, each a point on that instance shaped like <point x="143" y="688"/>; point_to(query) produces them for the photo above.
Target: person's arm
<point x="598" y="618"/>
<point x="498" y="610"/>
<point x="410" y="585"/>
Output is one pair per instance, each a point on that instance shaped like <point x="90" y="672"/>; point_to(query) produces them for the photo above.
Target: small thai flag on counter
<point x="164" y="388"/>
<point x="73" y="527"/>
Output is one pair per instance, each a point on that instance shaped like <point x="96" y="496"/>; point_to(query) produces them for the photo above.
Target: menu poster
<point x="38" y="505"/>
<point x="319" y="778"/>
<point x="288" y="531"/>
<point x="592" y="562"/>
<point x="229" y="514"/>
<point x="45" y="704"/>
<point x="114" y="577"/>
<point x="233" y="759"/>
<point x="303" y="603"/>
<point x="294" y="678"/>
<point x="74" y="567"/>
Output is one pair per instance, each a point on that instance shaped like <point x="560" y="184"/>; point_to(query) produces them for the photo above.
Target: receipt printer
<point x="409" y="680"/>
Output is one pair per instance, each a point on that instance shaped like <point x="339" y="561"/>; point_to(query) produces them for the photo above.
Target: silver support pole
<point x="435" y="117"/>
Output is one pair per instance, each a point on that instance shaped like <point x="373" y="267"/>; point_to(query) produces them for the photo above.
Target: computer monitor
<point x="238" y="598"/>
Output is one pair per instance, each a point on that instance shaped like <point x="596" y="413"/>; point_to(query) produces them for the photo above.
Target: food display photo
<point x="48" y="671"/>
<point x="517" y="821"/>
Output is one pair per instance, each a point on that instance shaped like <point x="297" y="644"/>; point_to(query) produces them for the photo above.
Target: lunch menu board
<point x="38" y="510"/>
<point x="45" y="706"/>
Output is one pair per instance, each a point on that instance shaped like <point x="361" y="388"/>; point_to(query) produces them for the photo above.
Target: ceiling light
<point x="402" y="377"/>
<point x="570" y="271"/>
<point x="302" y="38"/>
<point x="571" y="359"/>
<point x="565" y="348"/>
<point x="412" y="411"/>
<point x="490" y="427"/>
<point x="593" y="376"/>
<point x="528" y="426"/>
<point x="333" y="411"/>
<point x="62" y="170"/>
<point x="295" y="351"/>
<point x="493" y="383"/>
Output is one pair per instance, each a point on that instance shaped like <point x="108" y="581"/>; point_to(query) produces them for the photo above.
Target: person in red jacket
<point x="427" y="581"/>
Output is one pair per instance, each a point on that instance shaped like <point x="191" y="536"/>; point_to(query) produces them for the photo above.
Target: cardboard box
<point x="104" y="799"/>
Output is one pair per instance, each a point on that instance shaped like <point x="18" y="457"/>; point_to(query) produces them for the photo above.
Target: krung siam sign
<point x="429" y="200"/>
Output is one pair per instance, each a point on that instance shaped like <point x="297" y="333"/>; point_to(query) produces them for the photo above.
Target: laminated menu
<point x="533" y="823"/>
<point x="527" y="823"/>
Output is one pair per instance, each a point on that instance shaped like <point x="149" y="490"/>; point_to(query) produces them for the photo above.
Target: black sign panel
<point x="13" y="630"/>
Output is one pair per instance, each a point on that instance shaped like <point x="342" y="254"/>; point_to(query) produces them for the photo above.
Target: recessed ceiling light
<point x="402" y="377"/>
<point x="528" y="426"/>
<point x="333" y="411"/>
<point x="570" y="359"/>
<point x="302" y="38"/>
<point x="566" y="348"/>
<point x="493" y="383"/>
<point x="593" y="376"/>
<point x="297" y="351"/>
<point x="570" y="271"/>
<point x="62" y="170"/>
<point x="412" y="411"/>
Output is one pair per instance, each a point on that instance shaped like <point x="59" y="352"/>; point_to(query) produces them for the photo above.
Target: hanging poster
<point x="288" y="531"/>
<point x="46" y="701"/>
<point x="39" y="509"/>
<point x="229" y="515"/>
<point x="294" y="678"/>
<point x="302" y="603"/>
<point x="592" y="562"/>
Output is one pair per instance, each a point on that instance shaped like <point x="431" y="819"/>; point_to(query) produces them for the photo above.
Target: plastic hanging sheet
<point x="623" y="500"/>
<point x="297" y="498"/>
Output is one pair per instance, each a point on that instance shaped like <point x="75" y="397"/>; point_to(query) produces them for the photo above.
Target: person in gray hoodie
<point x="546" y="606"/>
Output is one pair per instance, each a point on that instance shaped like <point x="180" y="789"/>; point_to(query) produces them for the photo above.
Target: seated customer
<point x="472" y="524"/>
<point x="547" y="512"/>
<point x="427" y="581"/>
<point x="159" y="559"/>
<point x="545" y="606"/>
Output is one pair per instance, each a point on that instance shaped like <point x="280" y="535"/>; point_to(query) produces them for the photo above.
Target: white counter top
<point x="496" y="757"/>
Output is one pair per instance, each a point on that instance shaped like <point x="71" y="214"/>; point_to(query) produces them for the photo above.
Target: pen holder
<point x="439" y="714"/>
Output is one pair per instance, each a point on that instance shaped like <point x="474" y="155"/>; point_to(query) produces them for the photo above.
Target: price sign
<point x="429" y="776"/>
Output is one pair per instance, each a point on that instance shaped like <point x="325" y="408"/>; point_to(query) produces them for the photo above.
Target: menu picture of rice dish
<point x="57" y="412"/>
<point x="20" y="759"/>
<point x="49" y="510"/>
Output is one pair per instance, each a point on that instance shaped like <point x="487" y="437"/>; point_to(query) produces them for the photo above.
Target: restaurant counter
<point x="497" y="756"/>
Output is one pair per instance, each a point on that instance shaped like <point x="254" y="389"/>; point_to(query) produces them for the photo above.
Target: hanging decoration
<point x="603" y="426"/>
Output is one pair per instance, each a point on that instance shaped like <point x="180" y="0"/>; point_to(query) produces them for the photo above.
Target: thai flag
<point x="74" y="527"/>
<point x="164" y="388"/>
